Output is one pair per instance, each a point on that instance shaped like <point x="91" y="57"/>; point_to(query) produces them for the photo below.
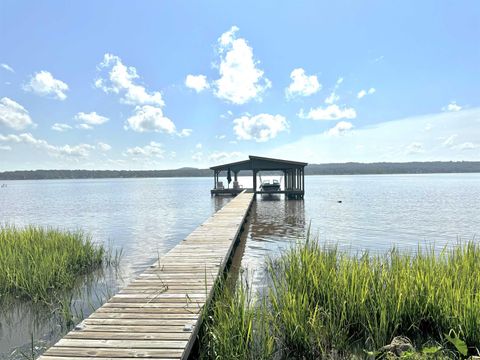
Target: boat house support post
<point x="294" y="176"/>
<point x="299" y="186"/>
<point x="303" y="182"/>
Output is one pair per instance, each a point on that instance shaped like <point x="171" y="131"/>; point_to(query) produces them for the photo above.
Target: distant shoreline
<point x="435" y="167"/>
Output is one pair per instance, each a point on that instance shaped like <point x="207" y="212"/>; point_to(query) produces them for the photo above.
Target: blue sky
<point x="157" y="84"/>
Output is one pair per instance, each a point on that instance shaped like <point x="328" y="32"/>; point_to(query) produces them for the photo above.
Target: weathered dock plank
<point x="158" y="315"/>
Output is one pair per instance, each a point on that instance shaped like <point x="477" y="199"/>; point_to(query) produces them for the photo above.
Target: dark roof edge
<point x="225" y="166"/>
<point x="252" y="157"/>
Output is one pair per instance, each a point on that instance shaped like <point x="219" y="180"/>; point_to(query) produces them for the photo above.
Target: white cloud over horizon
<point x="452" y="106"/>
<point x="44" y="84"/>
<point x="340" y="128"/>
<point x="331" y="112"/>
<point x="414" y="148"/>
<point x="391" y="141"/>
<point x="70" y="151"/>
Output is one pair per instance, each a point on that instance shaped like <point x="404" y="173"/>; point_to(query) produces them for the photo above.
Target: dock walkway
<point x="158" y="315"/>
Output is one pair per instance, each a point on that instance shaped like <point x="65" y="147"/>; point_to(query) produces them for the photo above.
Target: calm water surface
<point x="147" y="217"/>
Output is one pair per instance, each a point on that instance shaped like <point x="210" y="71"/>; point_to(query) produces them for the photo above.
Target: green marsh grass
<point x="234" y="312"/>
<point x="321" y="302"/>
<point x="36" y="263"/>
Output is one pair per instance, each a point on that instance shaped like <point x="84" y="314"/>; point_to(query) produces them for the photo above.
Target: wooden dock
<point x="158" y="315"/>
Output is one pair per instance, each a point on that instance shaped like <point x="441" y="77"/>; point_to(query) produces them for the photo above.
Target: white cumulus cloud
<point x="240" y="79"/>
<point x="363" y="92"/>
<point x="453" y="106"/>
<point x="185" y="132"/>
<point x="91" y="118"/>
<point x="341" y="128"/>
<point x="331" y="112"/>
<point x="302" y="84"/>
<point x="14" y="115"/>
<point x="44" y="84"/>
<point x="120" y="79"/>
<point x="149" y="118"/>
<point x="197" y="82"/>
<point x="260" y="128"/>
<point x="60" y="127"/>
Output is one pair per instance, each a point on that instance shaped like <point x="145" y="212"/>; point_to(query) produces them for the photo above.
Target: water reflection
<point x="21" y="321"/>
<point x="147" y="217"/>
<point x="274" y="224"/>
<point x="143" y="217"/>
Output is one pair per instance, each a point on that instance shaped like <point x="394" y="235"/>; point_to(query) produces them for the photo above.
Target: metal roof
<point x="260" y="163"/>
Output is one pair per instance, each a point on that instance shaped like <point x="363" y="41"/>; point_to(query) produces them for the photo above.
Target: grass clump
<point x="235" y="327"/>
<point x="324" y="303"/>
<point x="38" y="262"/>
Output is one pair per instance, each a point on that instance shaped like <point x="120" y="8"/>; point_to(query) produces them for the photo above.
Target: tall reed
<point x="37" y="262"/>
<point x="322" y="302"/>
<point x="235" y="326"/>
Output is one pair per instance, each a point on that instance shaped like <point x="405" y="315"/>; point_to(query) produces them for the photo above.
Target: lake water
<point x="147" y="217"/>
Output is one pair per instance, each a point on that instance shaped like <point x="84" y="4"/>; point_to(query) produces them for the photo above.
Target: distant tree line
<point x="312" y="169"/>
<point x="394" y="168"/>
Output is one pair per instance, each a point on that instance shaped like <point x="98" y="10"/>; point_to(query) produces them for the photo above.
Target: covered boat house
<point x="293" y="176"/>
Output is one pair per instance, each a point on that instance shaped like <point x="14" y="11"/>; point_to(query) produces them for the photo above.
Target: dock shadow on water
<point x="28" y="328"/>
<point x="273" y="225"/>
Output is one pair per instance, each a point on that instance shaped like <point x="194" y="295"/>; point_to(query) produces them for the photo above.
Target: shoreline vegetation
<point x="351" y="168"/>
<point x="319" y="302"/>
<point x="44" y="271"/>
<point x="39" y="263"/>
